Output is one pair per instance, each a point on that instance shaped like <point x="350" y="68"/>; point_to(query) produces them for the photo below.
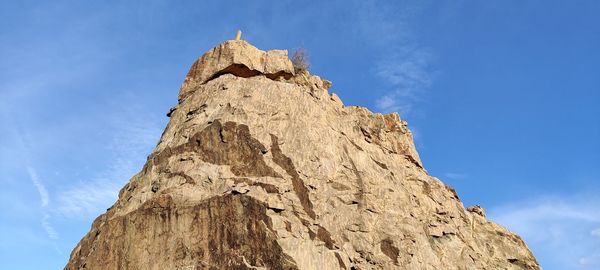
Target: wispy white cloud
<point x="50" y="231"/>
<point x="551" y="225"/>
<point x="39" y="186"/>
<point x="133" y="137"/>
<point x="407" y="67"/>
<point x="25" y="148"/>
<point x="45" y="198"/>
<point x="87" y="198"/>
<point x="408" y="71"/>
<point x="590" y="262"/>
<point x="403" y="64"/>
<point x="455" y="176"/>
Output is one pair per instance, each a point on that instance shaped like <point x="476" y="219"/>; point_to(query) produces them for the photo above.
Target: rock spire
<point x="263" y="168"/>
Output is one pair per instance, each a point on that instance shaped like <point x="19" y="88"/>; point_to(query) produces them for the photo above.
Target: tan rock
<point x="240" y="58"/>
<point x="477" y="209"/>
<point x="273" y="172"/>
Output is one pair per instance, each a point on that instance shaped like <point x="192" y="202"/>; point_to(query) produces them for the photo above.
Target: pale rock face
<point x="241" y="58"/>
<point x="261" y="168"/>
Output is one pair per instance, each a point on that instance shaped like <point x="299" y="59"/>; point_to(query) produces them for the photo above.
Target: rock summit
<point x="260" y="167"/>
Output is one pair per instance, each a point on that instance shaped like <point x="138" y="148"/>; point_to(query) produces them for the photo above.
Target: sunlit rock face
<point x="262" y="168"/>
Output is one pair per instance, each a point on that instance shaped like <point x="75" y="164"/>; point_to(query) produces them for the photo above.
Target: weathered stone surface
<point x="273" y="172"/>
<point x="240" y="58"/>
<point x="223" y="232"/>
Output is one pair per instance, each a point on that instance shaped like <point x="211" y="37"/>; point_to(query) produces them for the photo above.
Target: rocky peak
<point x="239" y="58"/>
<point x="263" y="168"/>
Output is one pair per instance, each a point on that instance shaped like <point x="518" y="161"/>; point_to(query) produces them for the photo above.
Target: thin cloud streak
<point x="550" y="225"/>
<point x="132" y="140"/>
<point x="45" y="202"/>
<point x="50" y="231"/>
<point x="87" y="198"/>
<point x="408" y="71"/>
<point x="39" y="186"/>
<point x="455" y="176"/>
<point x="403" y="64"/>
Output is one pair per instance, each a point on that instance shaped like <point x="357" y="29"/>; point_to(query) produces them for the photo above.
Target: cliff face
<point x="262" y="168"/>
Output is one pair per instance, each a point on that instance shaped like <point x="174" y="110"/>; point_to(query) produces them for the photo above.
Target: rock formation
<point x="262" y="168"/>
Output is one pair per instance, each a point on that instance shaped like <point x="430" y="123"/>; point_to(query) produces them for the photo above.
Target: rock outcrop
<point x="262" y="168"/>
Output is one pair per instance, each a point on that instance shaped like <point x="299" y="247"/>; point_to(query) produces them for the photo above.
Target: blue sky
<point x="503" y="98"/>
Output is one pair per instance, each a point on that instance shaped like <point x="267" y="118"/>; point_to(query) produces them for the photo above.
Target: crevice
<point x="413" y="160"/>
<point x="340" y="261"/>
<point x="322" y="234"/>
<point x="389" y="249"/>
<point x="360" y="196"/>
<point x="521" y="264"/>
<point x="452" y="191"/>
<point x="325" y="236"/>
<point x="352" y="142"/>
<point x="276" y="210"/>
<point x="299" y="188"/>
<point x="275" y="76"/>
<point x="381" y="164"/>
<point x="171" y="110"/>
<point x="339" y="186"/>
<point x="241" y="70"/>
<point x="267" y="187"/>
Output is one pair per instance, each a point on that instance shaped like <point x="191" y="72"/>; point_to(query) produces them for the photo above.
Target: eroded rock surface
<point x="240" y="58"/>
<point x="261" y="168"/>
